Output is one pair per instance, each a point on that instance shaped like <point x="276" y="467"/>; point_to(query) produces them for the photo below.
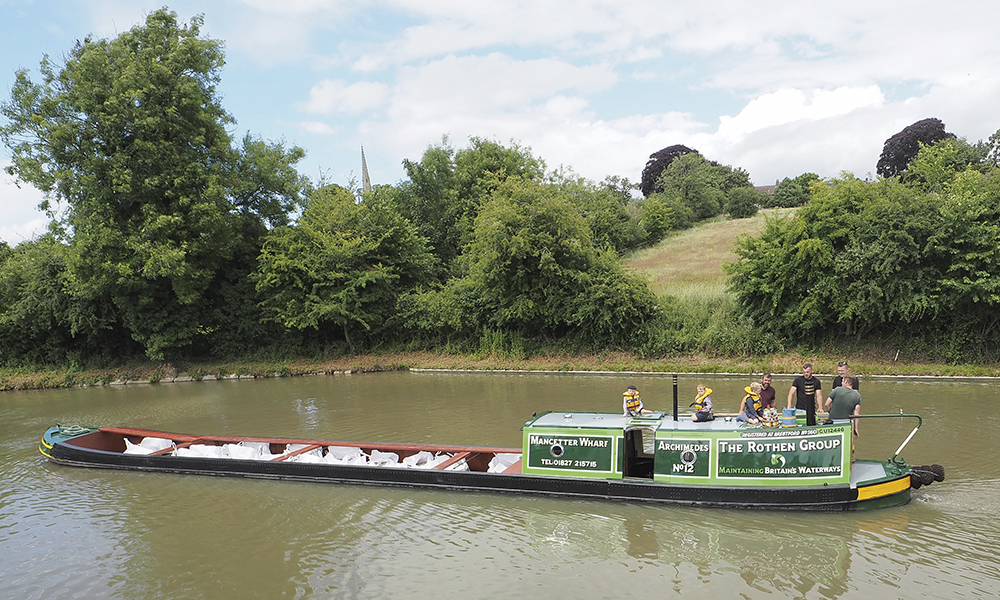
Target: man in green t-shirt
<point x="844" y="402"/>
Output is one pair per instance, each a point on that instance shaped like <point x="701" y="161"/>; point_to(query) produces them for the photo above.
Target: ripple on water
<point x="88" y="533"/>
<point x="56" y="534"/>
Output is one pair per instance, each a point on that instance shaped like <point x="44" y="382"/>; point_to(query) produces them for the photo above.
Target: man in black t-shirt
<point x="807" y="392"/>
<point x="843" y="371"/>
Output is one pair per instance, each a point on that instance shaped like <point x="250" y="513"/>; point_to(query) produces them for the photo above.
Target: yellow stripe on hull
<point x="884" y="489"/>
<point x="44" y="448"/>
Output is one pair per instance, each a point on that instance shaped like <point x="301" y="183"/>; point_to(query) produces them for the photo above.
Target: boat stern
<point x="880" y="484"/>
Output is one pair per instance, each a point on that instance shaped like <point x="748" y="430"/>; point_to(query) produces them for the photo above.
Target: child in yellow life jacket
<point x="632" y="403"/>
<point x="703" y="404"/>
<point x="751" y="408"/>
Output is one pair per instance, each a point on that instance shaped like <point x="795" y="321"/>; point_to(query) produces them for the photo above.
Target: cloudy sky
<point x="777" y="88"/>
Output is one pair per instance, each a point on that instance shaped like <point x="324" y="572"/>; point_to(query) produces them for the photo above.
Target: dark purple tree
<point x="658" y="161"/>
<point x="901" y="148"/>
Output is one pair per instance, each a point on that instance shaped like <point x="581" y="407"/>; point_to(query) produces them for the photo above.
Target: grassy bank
<point x="687" y="266"/>
<point x="159" y="373"/>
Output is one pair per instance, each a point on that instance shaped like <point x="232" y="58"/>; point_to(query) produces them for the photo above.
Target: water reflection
<point x="695" y="546"/>
<point x="76" y="532"/>
<point x="642" y="540"/>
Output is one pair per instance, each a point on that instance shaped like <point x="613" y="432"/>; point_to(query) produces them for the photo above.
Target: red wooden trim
<point x="452" y="460"/>
<point x="176" y="446"/>
<point x="514" y="469"/>
<point x="296" y="453"/>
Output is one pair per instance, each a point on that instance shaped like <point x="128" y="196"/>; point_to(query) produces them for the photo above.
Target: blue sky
<point x="777" y="88"/>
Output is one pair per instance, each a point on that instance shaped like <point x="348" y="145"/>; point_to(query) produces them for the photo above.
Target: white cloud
<point x="277" y="33"/>
<point x="493" y="96"/>
<point x="849" y="142"/>
<point x="317" y="128"/>
<point x="596" y="148"/>
<point x="15" y="234"/>
<point x="442" y="28"/>
<point x="778" y="88"/>
<point x="479" y="85"/>
<point x="334" y="95"/>
<point x="306" y="8"/>
<point x="811" y="73"/>
<point x="19" y="206"/>
<point x="786" y="106"/>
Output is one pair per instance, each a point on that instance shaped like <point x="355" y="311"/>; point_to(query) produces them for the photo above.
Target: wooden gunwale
<point x="514" y="469"/>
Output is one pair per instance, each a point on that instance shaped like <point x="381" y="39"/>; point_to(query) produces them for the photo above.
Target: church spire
<point x="366" y="183"/>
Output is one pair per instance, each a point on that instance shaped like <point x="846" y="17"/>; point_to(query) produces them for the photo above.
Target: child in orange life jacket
<point x="703" y="404"/>
<point x="632" y="403"/>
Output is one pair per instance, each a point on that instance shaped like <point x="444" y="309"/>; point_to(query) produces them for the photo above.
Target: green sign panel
<point x="683" y="458"/>
<point x="784" y="457"/>
<point x="574" y="452"/>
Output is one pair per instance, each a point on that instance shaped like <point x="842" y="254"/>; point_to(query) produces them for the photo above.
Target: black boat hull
<point x="891" y="491"/>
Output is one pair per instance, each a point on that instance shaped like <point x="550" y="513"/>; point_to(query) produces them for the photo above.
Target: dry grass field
<point x="690" y="261"/>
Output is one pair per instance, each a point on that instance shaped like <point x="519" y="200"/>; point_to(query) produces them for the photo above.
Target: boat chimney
<point x="675" y="396"/>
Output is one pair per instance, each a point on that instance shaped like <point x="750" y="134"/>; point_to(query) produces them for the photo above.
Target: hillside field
<point x="690" y="261"/>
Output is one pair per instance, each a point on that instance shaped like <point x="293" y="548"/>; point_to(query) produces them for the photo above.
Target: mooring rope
<point x="73" y="430"/>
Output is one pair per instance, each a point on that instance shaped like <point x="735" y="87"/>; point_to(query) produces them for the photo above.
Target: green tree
<point x="697" y="183"/>
<point x="34" y="306"/>
<point x="878" y="259"/>
<point x="343" y="267"/>
<point x="888" y="272"/>
<point x="485" y="164"/>
<point x="934" y="166"/>
<point x="704" y="187"/>
<point x="129" y="135"/>
<point x="617" y="308"/>
<point x="992" y="149"/>
<point x="660" y="213"/>
<point x="528" y="258"/>
<point x="605" y="208"/>
<point x="968" y="242"/>
<point x="785" y="278"/>
<point x="743" y="203"/>
<point x="40" y="323"/>
<point x="658" y="161"/>
<point x="793" y="192"/>
<point x="533" y="270"/>
<point x="446" y="189"/>
<point x="429" y="199"/>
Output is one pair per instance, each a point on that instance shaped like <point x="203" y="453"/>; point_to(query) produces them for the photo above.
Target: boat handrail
<point x="920" y="421"/>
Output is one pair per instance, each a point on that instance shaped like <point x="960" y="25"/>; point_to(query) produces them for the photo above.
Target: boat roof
<point x="617" y="421"/>
<point x="600" y="420"/>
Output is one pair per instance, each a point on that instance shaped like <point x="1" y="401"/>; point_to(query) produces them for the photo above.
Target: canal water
<point x="88" y="533"/>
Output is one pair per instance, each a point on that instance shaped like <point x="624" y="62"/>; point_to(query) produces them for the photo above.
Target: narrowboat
<point x="653" y="457"/>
